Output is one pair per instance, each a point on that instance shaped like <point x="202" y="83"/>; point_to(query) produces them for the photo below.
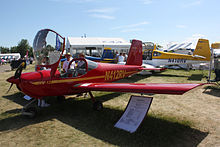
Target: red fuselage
<point x="40" y="84"/>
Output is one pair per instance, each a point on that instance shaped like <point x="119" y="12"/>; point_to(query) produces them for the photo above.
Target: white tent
<point x="78" y="44"/>
<point x="115" y="43"/>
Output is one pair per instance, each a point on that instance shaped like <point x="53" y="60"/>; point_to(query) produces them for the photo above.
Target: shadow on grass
<point x="17" y="98"/>
<point x="196" y="77"/>
<point x="212" y="90"/>
<point x="78" y="114"/>
<point x="133" y="78"/>
<point x="167" y="75"/>
<point x="138" y="77"/>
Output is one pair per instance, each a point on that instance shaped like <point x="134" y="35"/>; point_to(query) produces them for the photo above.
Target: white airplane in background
<point x="216" y="49"/>
<point x="156" y="58"/>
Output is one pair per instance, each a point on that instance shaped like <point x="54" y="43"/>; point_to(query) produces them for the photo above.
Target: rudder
<point x="203" y="49"/>
<point x="135" y="53"/>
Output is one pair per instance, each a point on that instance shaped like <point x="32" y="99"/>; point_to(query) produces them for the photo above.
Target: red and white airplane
<point x="92" y="76"/>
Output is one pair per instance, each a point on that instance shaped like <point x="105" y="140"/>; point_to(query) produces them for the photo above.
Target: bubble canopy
<point x="48" y="47"/>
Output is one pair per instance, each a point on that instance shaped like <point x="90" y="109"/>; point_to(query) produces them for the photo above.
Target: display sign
<point x="134" y="114"/>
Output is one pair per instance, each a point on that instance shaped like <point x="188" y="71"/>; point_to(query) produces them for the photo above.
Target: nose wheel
<point x="29" y="112"/>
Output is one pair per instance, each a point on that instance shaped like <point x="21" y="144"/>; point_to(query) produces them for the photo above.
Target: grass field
<point x="192" y="119"/>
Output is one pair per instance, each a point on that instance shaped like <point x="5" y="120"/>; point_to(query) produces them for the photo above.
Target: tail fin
<point x="202" y="49"/>
<point x="135" y="53"/>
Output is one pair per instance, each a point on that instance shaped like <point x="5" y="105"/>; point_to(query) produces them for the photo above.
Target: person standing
<point x="116" y="56"/>
<point x="121" y="58"/>
<point x="217" y="69"/>
<point x="125" y="57"/>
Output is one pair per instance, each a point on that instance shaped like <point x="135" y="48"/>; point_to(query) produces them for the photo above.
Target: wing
<point x="155" y="88"/>
<point x="155" y="69"/>
<point x="151" y="67"/>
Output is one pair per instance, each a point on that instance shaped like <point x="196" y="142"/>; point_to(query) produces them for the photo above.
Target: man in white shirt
<point x="121" y="58"/>
<point x="66" y="63"/>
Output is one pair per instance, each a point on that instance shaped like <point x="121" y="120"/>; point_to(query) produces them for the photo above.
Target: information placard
<point x="134" y="114"/>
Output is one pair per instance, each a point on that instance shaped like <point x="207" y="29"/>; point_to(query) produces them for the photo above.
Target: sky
<point x="158" y="21"/>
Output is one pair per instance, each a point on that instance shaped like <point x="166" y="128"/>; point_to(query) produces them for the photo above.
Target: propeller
<point x="17" y="74"/>
<point x="9" y="88"/>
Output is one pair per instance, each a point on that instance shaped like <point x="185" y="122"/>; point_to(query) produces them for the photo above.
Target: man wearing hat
<point x="66" y="63"/>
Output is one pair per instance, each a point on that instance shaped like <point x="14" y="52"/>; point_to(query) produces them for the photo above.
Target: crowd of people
<point x="122" y="57"/>
<point x="80" y="63"/>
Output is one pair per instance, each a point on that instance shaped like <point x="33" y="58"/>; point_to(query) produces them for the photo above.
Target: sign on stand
<point x="134" y="113"/>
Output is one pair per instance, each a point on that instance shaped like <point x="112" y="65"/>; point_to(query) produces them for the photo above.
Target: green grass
<point x="74" y="123"/>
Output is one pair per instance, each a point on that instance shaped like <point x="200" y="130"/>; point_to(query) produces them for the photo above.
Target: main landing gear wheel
<point x="61" y="99"/>
<point x="97" y="105"/>
<point x="30" y="112"/>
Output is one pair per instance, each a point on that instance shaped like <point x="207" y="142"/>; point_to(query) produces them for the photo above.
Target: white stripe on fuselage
<point x="163" y="62"/>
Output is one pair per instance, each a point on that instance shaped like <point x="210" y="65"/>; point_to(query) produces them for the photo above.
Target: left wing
<point x="155" y="88"/>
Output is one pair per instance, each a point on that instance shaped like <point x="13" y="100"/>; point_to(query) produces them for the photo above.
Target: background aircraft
<point x="156" y="58"/>
<point x="216" y="49"/>
<point x="90" y="76"/>
<point x="107" y="56"/>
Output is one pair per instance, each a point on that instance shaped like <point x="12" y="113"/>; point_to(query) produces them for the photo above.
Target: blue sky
<point x="148" y="20"/>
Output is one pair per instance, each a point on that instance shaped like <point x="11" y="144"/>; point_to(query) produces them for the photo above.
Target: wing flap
<point x="153" y="88"/>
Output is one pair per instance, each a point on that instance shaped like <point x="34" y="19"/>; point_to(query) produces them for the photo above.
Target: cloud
<point x="104" y="13"/>
<point x="195" y="37"/>
<point x="75" y="1"/>
<point x="181" y="26"/>
<point x="146" y="2"/>
<point x="131" y="27"/>
<point x="102" y="16"/>
<point x="132" y="30"/>
<point x="191" y="4"/>
<point x="103" y="10"/>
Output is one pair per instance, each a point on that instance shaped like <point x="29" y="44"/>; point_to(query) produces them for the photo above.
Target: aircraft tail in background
<point x="202" y="49"/>
<point x="135" y="53"/>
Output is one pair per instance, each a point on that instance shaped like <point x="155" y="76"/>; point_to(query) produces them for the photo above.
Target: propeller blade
<point x="19" y="70"/>
<point x="10" y="87"/>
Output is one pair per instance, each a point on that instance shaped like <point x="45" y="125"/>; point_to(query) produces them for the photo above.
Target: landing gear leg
<point x="30" y="112"/>
<point x="97" y="105"/>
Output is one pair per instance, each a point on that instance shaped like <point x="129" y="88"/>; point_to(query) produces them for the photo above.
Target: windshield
<point x="47" y="47"/>
<point x="91" y="65"/>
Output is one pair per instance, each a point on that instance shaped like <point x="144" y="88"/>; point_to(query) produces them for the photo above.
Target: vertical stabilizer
<point x="202" y="49"/>
<point x="135" y="53"/>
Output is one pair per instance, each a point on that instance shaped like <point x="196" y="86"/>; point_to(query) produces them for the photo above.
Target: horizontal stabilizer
<point x="198" y="56"/>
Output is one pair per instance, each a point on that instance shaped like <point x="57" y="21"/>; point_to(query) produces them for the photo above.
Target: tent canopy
<point x="97" y="42"/>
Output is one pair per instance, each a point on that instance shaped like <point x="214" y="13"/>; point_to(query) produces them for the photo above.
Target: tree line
<point x="22" y="48"/>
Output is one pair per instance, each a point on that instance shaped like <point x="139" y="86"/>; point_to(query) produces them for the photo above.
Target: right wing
<point x="149" y="88"/>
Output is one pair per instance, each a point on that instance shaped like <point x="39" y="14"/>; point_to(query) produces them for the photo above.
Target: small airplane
<point x="89" y="76"/>
<point x="107" y="56"/>
<point x="155" y="58"/>
<point x="216" y="49"/>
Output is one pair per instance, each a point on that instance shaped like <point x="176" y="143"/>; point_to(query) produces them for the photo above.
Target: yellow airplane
<point x="156" y="58"/>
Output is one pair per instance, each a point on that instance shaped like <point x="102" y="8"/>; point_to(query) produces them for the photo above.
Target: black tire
<point x="61" y="99"/>
<point x="97" y="106"/>
<point x="31" y="110"/>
